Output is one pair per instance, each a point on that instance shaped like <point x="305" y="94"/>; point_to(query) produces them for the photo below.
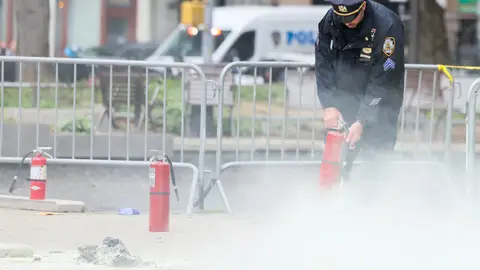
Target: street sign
<point x="467" y="6"/>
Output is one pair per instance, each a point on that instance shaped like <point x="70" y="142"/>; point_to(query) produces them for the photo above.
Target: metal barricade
<point x="471" y="130"/>
<point x="98" y="128"/>
<point x="285" y="117"/>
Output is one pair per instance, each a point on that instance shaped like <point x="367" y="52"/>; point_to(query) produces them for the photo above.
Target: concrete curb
<point x="49" y="205"/>
<point x="15" y="251"/>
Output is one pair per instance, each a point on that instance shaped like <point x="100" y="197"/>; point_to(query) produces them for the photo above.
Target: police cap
<point x="347" y="10"/>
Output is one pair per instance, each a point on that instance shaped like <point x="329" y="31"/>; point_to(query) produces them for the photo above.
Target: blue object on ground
<point x="70" y="52"/>
<point x="128" y="211"/>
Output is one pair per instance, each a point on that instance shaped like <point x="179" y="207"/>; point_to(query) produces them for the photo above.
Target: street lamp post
<point x="207" y="38"/>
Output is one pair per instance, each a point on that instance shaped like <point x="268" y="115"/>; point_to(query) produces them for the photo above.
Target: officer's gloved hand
<point x="331" y="117"/>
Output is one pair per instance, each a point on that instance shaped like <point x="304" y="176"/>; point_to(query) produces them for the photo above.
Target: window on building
<point x="466" y="51"/>
<point x="117" y="30"/>
<point x="119" y="21"/>
<point x="119" y="3"/>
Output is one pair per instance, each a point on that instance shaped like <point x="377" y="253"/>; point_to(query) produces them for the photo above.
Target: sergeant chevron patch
<point x="389" y="64"/>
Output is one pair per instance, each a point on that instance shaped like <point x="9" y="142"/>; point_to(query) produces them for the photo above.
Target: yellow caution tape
<point x="462" y="67"/>
<point x="444" y="69"/>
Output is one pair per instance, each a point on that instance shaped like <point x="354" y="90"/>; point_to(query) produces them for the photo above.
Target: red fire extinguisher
<point x="161" y="170"/>
<point x="38" y="173"/>
<point x="332" y="160"/>
<point x="38" y="177"/>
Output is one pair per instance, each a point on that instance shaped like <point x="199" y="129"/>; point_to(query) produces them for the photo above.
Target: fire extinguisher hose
<point x="206" y="191"/>
<point x="172" y="175"/>
<point x="19" y="167"/>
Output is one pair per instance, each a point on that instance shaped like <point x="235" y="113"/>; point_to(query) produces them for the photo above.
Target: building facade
<point x="87" y="23"/>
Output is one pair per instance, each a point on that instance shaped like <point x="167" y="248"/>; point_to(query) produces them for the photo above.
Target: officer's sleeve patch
<point x="374" y="101"/>
<point x="389" y="46"/>
<point x="389" y="64"/>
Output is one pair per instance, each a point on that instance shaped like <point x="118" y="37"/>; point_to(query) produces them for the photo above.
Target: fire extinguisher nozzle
<point x="19" y="167"/>
<point x="172" y="176"/>
<point x="11" y="188"/>
<point x="176" y="194"/>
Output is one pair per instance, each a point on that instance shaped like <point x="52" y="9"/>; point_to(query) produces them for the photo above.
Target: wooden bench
<point x="127" y="88"/>
<point x="195" y="89"/>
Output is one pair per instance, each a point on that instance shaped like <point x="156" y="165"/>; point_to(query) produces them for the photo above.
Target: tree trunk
<point x="32" y="20"/>
<point x="433" y="40"/>
<point x="432" y="47"/>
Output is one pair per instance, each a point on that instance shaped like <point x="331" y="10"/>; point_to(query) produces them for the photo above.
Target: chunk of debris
<point x="112" y="252"/>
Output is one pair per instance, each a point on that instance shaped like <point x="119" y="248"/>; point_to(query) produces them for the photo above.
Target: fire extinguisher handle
<point x="42" y="150"/>
<point x="341" y="128"/>
<point x="156" y="154"/>
<point x="47" y="155"/>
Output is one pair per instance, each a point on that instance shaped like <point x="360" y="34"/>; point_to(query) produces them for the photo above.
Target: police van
<point x="248" y="33"/>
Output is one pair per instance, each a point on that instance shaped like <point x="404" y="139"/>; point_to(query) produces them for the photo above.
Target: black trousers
<point x="379" y="138"/>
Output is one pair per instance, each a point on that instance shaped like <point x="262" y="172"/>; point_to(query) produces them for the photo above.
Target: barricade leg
<point x="211" y="184"/>
<point x="470" y="150"/>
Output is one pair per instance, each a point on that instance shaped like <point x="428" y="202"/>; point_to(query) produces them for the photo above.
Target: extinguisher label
<point x="38" y="173"/>
<point x="151" y="177"/>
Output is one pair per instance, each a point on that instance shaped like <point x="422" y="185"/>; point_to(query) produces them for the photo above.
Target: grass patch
<point x="456" y="116"/>
<point x="262" y="93"/>
<point x="49" y="98"/>
<point x="66" y="97"/>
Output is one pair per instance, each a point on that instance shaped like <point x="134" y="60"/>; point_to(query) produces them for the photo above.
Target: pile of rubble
<point x="112" y="252"/>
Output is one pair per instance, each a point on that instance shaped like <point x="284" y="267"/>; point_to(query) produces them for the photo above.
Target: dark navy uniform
<point x="360" y="71"/>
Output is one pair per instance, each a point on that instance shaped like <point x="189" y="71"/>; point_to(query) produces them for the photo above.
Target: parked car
<point x="131" y="51"/>
<point x="9" y="69"/>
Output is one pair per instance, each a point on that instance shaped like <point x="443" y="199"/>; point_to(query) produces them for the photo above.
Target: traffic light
<point x="192" y="12"/>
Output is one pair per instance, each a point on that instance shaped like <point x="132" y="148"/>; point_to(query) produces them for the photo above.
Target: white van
<point x="248" y="33"/>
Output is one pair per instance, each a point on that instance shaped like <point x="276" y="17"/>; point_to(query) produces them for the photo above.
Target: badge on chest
<point x="366" y="55"/>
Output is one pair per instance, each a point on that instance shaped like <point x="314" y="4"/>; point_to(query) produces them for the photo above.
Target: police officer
<point x="359" y="62"/>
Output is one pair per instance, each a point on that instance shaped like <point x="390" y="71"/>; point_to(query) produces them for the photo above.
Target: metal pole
<point x="207" y="38"/>
<point x="52" y="28"/>
<point x="471" y="136"/>
<point x="478" y="24"/>
<point x="414" y="25"/>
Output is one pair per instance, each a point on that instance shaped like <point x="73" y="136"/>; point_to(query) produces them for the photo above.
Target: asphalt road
<point x="394" y="216"/>
<point x="407" y="215"/>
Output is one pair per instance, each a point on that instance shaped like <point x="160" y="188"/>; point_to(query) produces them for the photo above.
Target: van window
<point x="243" y="49"/>
<point x="187" y="41"/>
